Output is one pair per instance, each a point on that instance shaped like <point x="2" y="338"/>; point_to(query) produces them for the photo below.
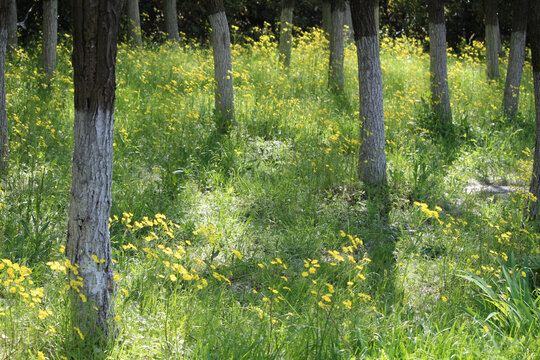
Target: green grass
<point x="261" y="245"/>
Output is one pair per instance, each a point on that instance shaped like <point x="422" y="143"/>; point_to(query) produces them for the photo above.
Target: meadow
<point x="261" y="244"/>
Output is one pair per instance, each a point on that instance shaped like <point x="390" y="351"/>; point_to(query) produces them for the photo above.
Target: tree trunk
<point x="534" y="32"/>
<point x="88" y="248"/>
<point x="12" y="25"/>
<point x="50" y="31"/>
<point x="4" y="146"/>
<point x="335" y="78"/>
<point x="221" y="44"/>
<point x="517" y="56"/>
<point x="347" y="22"/>
<point x="171" y="20"/>
<point x="377" y="18"/>
<point x="372" y="158"/>
<point x="134" y="23"/>
<point x="327" y="17"/>
<point x="492" y="34"/>
<point x="285" y="33"/>
<point x="440" y="97"/>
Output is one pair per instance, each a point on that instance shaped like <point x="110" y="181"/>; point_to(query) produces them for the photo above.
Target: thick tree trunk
<point x="327" y="17"/>
<point x="171" y="20"/>
<point x="50" y="32"/>
<point x="492" y="35"/>
<point x="372" y="158"/>
<point x="285" y="33"/>
<point x="221" y="44"/>
<point x="134" y="23"/>
<point x="4" y="146"/>
<point x="517" y="56"/>
<point x="440" y="97"/>
<point x="335" y="78"/>
<point x="12" y="25"/>
<point x="88" y="246"/>
<point x="534" y="32"/>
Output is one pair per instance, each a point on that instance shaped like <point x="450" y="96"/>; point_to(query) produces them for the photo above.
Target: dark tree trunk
<point x="171" y="20"/>
<point x="4" y="146"/>
<point x="50" y="37"/>
<point x="440" y="97"/>
<point x="285" y="33"/>
<point x="95" y="36"/>
<point x="134" y="23"/>
<point x="492" y="38"/>
<point x="534" y="33"/>
<point x="221" y="44"/>
<point x="12" y="25"/>
<point x="514" y="71"/>
<point x="327" y="17"/>
<point x="335" y="79"/>
<point x="372" y="158"/>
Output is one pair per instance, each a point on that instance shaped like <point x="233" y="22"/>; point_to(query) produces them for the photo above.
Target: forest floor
<point x="261" y="244"/>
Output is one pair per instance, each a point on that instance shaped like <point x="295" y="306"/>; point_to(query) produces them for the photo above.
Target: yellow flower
<point x="237" y="253"/>
<point x="523" y="274"/>
<point x="79" y="332"/>
<point x="444" y="299"/>
<point x="40" y="355"/>
<point x="173" y="277"/>
<point x="348" y="304"/>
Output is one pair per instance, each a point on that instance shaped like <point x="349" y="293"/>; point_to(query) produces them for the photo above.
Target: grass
<point x="260" y="245"/>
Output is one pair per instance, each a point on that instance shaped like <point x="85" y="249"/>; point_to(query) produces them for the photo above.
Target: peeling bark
<point x="221" y="44"/>
<point x="516" y="59"/>
<point x="134" y="23"/>
<point x="50" y="37"/>
<point x="285" y="33"/>
<point x="95" y="37"/>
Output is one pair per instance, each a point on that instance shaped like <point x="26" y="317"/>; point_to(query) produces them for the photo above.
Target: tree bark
<point x="492" y="34"/>
<point x="534" y="32"/>
<point x="327" y="17"/>
<point x="221" y="44"/>
<point x="4" y="145"/>
<point x="171" y="20"/>
<point x="347" y="22"/>
<point x="285" y="33"/>
<point x="88" y="248"/>
<point x="12" y="25"/>
<point x="372" y="158"/>
<point x="376" y="9"/>
<point x="335" y="79"/>
<point x="50" y="37"/>
<point x="134" y="23"/>
<point x="440" y="98"/>
<point x="514" y="71"/>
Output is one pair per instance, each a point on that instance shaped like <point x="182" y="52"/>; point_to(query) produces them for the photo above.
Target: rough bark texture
<point x="171" y="20"/>
<point x="372" y="158"/>
<point x="377" y="18"/>
<point x="50" y="37"/>
<point x="440" y="97"/>
<point x="326" y="17"/>
<point x="4" y="8"/>
<point x="516" y="60"/>
<point x="285" y="33"/>
<point x="221" y="44"/>
<point x="335" y="78"/>
<point x="12" y="25"/>
<point x="534" y="32"/>
<point x="95" y="36"/>
<point x="492" y="38"/>
<point x="134" y="23"/>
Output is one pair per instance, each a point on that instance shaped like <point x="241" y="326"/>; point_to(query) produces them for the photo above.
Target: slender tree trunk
<point x="492" y="34"/>
<point x="12" y="25"/>
<point x="50" y="32"/>
<point x="171" y="20"/>
<point x="377" y="18"/>
<point x="327" y="17"/>
<point x="372" y="158"/>
<point x="221" y="44"/>
<point x="88" y="248"/>
<point x="4" y="146"/>
<point x="335" y="78"/>
<point x="517" y="56"/>
<point x="534" y="32"/>
<point x="347" y="22"/>
<point x="285" y="33"/>
<point x="440" y="97"/>
<point x="134" y="23"/>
